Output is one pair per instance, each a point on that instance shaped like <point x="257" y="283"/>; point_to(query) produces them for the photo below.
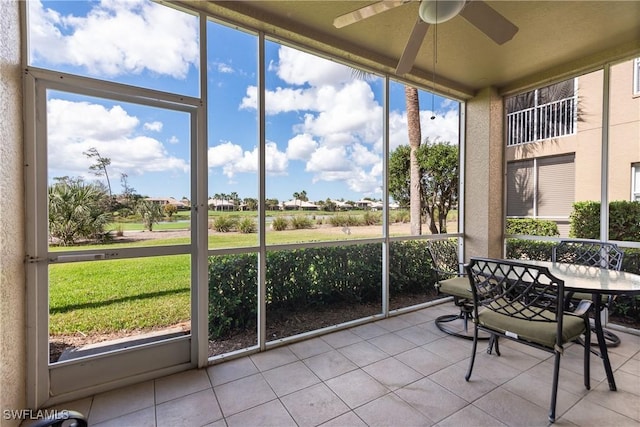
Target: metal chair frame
<point x="521" y="292"/>
<point x="593" y="254"/>
<point x="446" y="264"/>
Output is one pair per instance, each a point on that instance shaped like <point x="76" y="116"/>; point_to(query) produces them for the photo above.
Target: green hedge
<point x="624" y="220"/>
<point x="304" y="278"/>
<point x="532" y="227"/>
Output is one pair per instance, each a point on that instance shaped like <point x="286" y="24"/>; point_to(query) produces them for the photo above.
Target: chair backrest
<point x="444" y="257"/>
<point x="592" y="254"/>
<point x="516" y="289"/>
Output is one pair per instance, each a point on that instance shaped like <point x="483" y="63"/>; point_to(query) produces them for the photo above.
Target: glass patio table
<point x="597" y="282"/>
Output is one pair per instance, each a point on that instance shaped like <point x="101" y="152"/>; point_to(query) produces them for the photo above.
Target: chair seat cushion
<point x="457" y="287"/>
<point x="583" y="295"/>
<point x="539" y="332"/>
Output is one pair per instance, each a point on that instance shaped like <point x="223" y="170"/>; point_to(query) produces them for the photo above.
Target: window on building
<point x="543" y="113"/>
<point x="636" y="76"/>
<point x="541" y="188"/>
<point x="635" y="182"/>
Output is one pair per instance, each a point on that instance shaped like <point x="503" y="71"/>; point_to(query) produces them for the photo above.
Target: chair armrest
<point x="583" y="306"/>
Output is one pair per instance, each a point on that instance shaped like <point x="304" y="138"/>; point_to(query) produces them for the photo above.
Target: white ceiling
<point x="555" y="39"/>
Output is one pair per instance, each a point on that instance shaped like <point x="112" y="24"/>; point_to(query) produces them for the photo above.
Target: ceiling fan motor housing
<point x="439" y="11"/>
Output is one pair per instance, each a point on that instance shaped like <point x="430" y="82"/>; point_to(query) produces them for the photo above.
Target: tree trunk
<point x="415" y="136"/>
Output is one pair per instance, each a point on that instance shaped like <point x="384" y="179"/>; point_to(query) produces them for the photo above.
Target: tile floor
<point x="397" y="371"/>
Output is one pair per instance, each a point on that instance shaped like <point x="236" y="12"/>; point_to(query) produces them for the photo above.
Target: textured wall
<point x="12" y="279"/>
<point x="484" y="212"/>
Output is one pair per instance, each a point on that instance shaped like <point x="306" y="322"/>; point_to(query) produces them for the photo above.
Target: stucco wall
<point x="12" y="280"/>
<point x="484" y="212"/>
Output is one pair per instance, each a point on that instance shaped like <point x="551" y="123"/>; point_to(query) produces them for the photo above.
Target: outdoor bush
<point x="372" y="218"/>
<point x="532" y="227"/>
<point x="624" y="220"/>
<point x="402" y="216"/>
<point x="345" y="221"/>
<point x="303" y="278"/>
<point x="529" y="249"/>
<point x="224" y="224"/>
<point x="300" y="222"/>
<point x="247" y="225"/>
<point x="279" y="223"/>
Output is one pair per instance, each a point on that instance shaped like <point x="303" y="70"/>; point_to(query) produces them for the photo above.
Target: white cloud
<point x="363" y="157"/>
<point x="224" y="68"/>
<point x="231" y="158"/>
<point x="299" y="68"/>
<point x="153" y="126"/>
<point x="116" y="37"/>
<point x="329" y="159"/>
<point x="301" y="146"/>
<point x="75" y="127"/>
<point x="174" y="140"/>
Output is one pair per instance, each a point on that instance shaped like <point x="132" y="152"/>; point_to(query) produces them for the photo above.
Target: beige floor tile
<point x="470" y="416"/>
<point x="418" y="334"/>
<point x="350" y="419"/>
<point x="390" y="410"/>
<point x="309" y="348"/>
<point x="452" y="378"/>
<point x="629" y="344"/>
<point x="431" y="399"/>
<point x="626" y="382"/>
<point x="512" y="409"/>
<point x="568" y="380"/>
<point x="537" y="390"/>
<point x="289" y="378"/>
<point x="126" y="400"/>
<point x="341" y="338"/>
<point x="143" y="418"/>
<point x="369" y="330"/>
<point x="196" y="409"/>
<point x="356" y="388"/>
<point x="418" y="317"/>
<point x="450" y="348"/>
<point x="314" y="405"/>
<point x="273" y="358"/>
<point x="363" y="353"/>
<point x="219" y="423"/>
<point x="392" y="343"/>
<point x="392" y="373"/>
<point x="268" y="414"/>
<point x="631" y="366"/>
<point x="181" y="384"/>
<point x="393" y="324"/>
<point x="491" y="366"/>
<point x="231" y="370"/>
<point x="243" y="394"/>
<point x="585" y="413"/>
<point x="329" y="365"/>
<point x="619" y="401"/>
<point x="423" y="361"/>
<point x="517" y="358"/>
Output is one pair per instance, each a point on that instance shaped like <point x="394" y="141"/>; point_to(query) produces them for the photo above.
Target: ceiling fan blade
<point x="486" y="19"/>
<point x="366" y="12"/>
<point x="412" y="47"/>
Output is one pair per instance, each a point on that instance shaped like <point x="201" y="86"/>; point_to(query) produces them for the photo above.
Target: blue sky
<point x="323" y="124"/>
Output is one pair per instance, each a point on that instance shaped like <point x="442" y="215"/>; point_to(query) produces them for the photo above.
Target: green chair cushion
<point x="583" y="295"/>
<point x="457" y="287"/>
<point x="539" y="332"/>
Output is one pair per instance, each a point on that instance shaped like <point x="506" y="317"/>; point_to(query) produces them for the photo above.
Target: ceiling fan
<point x="477" y="12"/>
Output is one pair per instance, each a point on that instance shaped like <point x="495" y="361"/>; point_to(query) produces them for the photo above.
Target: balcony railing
<point x="545" y="121"/>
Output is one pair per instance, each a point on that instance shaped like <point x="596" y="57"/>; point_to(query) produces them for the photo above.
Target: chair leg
<point x="554" y="390"/>
<point x="474" y="347"/>
<point x="587" y="357"/>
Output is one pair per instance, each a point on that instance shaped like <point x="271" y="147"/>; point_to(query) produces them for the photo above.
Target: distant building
<point x="162" y="201"/>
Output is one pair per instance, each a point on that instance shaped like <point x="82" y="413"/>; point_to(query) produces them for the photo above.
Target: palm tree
<point x="415" y="136"/>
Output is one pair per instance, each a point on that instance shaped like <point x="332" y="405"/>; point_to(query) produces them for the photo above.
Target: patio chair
<point x="451" y="280"/>
<point x="592" y="254"/>
<point x="525" y="303"/>
<point x="65" y="418"/>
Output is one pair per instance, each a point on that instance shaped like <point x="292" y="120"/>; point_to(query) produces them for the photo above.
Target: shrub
<point x="299" y="222"/>
<point x="279" y="223"/>
<point x="529" y="249"/>
<point x="372" y="218"/>
<point x="402" y="216"/>
<point x="532" y="227"/>
<point x="224" y="224"/>
<point x="247" y="225"/>
<point x="303" y="278"/>
<point x="345" y="221"/>
<point x="624" y="220"/>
